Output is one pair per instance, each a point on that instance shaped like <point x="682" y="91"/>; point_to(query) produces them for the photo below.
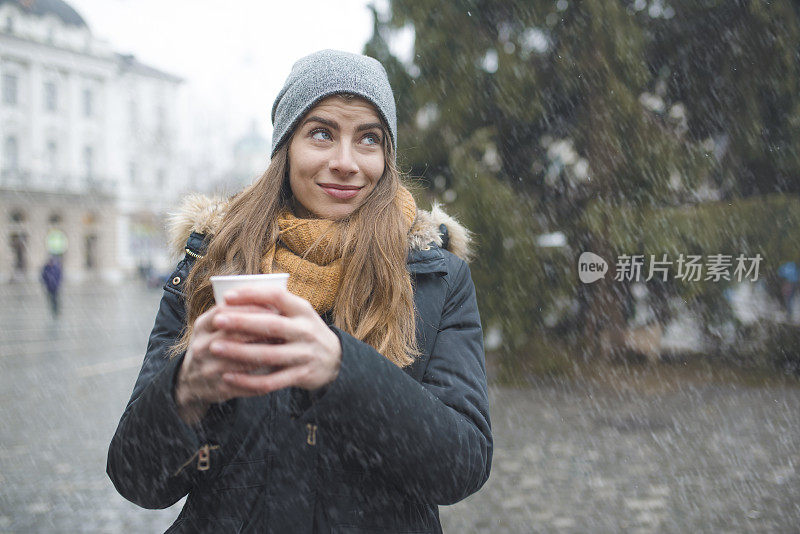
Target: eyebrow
<point x="370" y="126"/>
<point x="335" y="125"/>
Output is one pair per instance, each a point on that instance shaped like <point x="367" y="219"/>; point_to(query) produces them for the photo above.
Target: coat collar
<point x="426" y="261"/>
<point x="199" y="216"/>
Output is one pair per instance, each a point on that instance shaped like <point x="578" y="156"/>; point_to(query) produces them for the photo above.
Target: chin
<point x="339" y="214"/>
<point x="336" y="211"/>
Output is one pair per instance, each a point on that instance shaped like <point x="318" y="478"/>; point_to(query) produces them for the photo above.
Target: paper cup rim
<point x="244" y="277"/>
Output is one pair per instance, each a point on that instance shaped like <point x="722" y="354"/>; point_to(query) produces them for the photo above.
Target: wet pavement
<point x="578" y="456"/>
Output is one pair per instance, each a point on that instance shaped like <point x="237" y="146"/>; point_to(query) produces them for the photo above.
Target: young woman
<point x="376" y="408"/>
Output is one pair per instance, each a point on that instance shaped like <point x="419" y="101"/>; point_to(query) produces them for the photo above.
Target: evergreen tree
<point x="601" y="120"/>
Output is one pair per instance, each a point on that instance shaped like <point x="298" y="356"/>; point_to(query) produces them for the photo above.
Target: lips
<point x="341" y="192"/>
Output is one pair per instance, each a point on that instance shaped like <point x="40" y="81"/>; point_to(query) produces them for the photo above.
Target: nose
<point x="343" y="161"/>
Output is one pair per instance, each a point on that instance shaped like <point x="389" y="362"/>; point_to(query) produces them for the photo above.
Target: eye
<point x="372" y="139"/>
<point x="320" y="135"/>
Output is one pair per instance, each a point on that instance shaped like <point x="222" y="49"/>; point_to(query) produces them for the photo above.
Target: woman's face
<point x="336" y="157"/>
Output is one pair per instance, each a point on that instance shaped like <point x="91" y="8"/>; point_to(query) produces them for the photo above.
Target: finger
<point x="224" y="391"/>
<point x="229" y="365"/>
<point x="203" y="322"/>
<point x="240" y="337"/>
<point x="215" y="389"/>
<point x="261" y="325"/>
<point x="246" y="308"/>
<point x="258" y="354"/>
<point x="264" y="384"/>
<point x="210" y="387"/>
<point x="285" y="302"/>
<point x="205" y="344"/>
<point x="240" y="392"/>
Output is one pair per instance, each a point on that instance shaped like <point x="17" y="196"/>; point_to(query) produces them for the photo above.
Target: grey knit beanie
<point x="325" y="73"/>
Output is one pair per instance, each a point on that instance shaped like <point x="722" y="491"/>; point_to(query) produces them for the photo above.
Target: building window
<point x="90" y="252"/>
<point x="161" y="117"/>
<point x="11" y="153"/>
<point x="161" y="178"/>
<point x="88" y="162"/>
<point x="19" y="248"/>
<point x="17" y="216"/>
<point x="10" y="24"/>
<point x="10" y="82"/>
<point x="50" y="96"/>
<point x="133" y="172"/>
<point x="88" y="103"/>
<point x="133" y="112"/>
<point x="55" y="219"/>
<point x="90" y="218"/>
<point x="52" y="156"/>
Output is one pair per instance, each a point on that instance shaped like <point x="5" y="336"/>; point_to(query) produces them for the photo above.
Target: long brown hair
<point x="375" y="302"/>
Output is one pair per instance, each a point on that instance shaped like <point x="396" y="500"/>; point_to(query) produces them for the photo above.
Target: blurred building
<point x="249" y="158"/>
<point x="87" y="146"/>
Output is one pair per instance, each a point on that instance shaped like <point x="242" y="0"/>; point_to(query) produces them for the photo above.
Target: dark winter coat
<point x="376" y="452"/>
<point x="51" y="275"/>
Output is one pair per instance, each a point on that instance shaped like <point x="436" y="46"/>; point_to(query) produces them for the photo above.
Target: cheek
<point x="300" y="174"/>
<point x="374" y="169"/>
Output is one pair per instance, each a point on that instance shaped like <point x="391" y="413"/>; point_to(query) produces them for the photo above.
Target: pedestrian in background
<point x="789" y="275"/>
<point x="51" y="278"/>
<point x="376" y="410"/>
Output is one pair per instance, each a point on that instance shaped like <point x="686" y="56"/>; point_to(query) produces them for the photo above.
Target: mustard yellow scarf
<point x="305" y="249"/>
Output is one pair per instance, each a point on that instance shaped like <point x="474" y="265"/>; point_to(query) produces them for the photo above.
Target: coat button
<point x="176" y="280"/>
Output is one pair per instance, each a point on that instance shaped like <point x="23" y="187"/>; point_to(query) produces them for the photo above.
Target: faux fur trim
<point x="426" y="231"/>
<point x="197" y="213"/>
<point x="203" y="214"/>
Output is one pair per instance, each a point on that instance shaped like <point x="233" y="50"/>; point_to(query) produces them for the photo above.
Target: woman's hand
<point x="199" y="382"/>
<point x="309" y="357"/>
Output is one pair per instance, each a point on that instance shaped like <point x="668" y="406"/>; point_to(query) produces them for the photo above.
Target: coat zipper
<point x="312" y="434"/>
<point x="203" y="459"/>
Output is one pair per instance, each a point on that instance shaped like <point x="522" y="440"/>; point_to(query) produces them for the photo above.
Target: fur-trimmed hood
<point x="203" y="214"/>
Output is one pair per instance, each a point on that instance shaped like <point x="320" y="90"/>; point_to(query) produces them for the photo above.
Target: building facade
<point x="87" y="147"/>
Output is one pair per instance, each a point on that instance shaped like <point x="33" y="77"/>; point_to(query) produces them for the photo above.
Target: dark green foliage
<point x="765" y="345"/>
<point x="631" y="127"/>
<point x="782" y="348"/>
<point x="735" y="64"/>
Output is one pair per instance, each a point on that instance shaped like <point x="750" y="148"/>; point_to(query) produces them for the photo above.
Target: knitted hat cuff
<point x="327" y="73"/>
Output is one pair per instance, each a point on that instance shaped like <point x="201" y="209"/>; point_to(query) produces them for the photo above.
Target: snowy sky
<point x="233" y="54"/>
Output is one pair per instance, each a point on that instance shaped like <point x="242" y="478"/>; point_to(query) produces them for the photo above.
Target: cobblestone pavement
<point x="569" y="456"/>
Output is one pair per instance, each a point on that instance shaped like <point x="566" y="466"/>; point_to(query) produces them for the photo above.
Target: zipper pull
<point x="312" y="434"/>
<point x="203" y="458"/>
<point x="187" y="462"/>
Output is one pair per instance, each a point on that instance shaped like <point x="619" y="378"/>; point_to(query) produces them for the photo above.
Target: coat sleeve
<point x="148" y="455"/>
<point x="432" y="438"/>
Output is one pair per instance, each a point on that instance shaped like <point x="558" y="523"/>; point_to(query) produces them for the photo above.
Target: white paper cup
<point x="223" y="284"/>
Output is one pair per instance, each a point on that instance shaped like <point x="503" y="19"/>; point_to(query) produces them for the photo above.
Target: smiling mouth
<point x="341" y="192"/>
